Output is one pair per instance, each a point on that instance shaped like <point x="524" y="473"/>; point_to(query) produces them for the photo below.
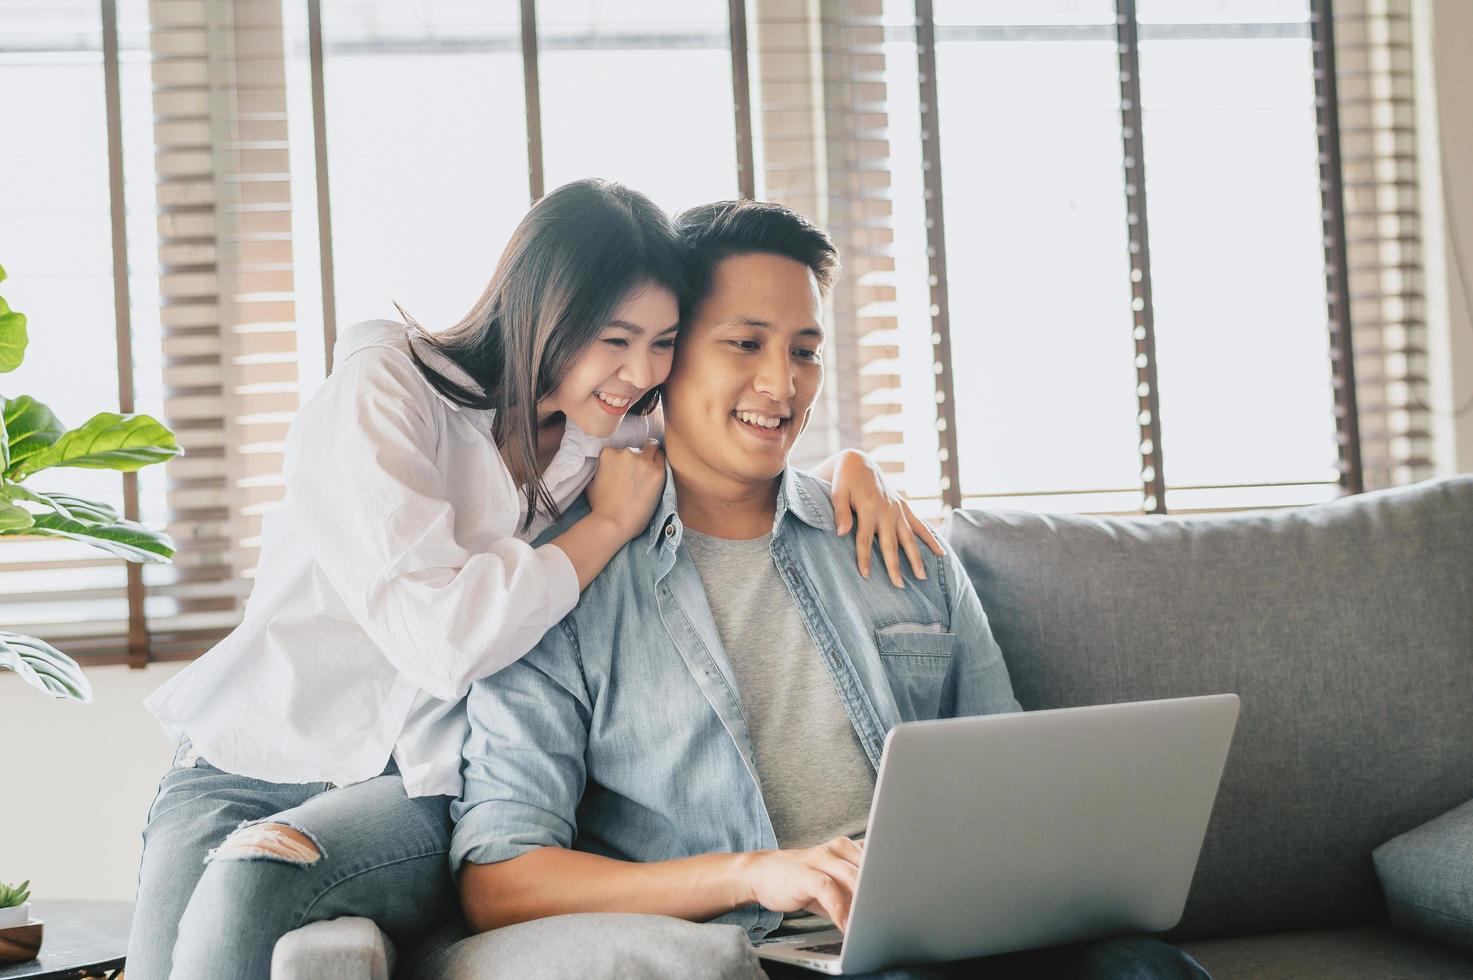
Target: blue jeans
<point x="202" y="915"/>
<point x="1126" y="958"/>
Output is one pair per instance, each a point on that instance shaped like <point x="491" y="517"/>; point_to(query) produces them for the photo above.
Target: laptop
<point x="1010" y="832"/>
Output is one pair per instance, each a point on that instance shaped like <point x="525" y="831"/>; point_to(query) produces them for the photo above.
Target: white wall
<point x="76" y="783"/>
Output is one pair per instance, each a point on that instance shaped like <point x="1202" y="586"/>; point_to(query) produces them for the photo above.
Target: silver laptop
<point x="1009" y="832"/>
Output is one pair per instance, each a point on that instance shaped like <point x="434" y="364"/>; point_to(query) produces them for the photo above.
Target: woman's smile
<point x="613" y="404"/>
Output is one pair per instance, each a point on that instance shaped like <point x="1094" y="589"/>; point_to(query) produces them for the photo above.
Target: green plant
<point x="33" y="439"/>
<point x="14" y="895"/>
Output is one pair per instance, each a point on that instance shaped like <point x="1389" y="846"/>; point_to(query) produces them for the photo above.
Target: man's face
<point x="747" y="370"/>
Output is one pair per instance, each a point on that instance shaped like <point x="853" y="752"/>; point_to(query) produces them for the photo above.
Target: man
<point x="700" y="737"/>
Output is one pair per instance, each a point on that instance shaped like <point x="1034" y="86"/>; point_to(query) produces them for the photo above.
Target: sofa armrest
<point x="335" y="949"/>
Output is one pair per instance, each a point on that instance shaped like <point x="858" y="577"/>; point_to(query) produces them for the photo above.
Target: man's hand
<point x="819" y="879"/>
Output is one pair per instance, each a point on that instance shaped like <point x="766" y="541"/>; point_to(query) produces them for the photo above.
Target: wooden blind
<point x="1378" y="136"/>
<point x="228" y="312"/>
<point x="823" y="149"/>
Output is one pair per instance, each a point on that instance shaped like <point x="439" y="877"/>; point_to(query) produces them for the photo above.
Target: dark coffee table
<point x="82" y="939"/>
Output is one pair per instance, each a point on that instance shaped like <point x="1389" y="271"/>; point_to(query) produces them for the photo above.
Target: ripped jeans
<point x="220" y="883"/>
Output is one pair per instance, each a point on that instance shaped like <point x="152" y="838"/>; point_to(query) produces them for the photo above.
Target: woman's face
<point x="630" y="355"/>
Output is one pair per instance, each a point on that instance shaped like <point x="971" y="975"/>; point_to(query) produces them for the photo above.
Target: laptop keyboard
<point x="831" y="949"/>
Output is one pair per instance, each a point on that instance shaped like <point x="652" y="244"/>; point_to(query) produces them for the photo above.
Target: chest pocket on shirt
<point x="916" y="658"/>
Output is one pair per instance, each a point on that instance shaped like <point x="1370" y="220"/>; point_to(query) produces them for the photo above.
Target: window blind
<point x="1378" y="135"/>
<point x="227" y="323"/>
<point x="823" y="148"/>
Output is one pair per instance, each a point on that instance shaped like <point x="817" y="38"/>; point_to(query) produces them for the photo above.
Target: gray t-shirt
<point x="816" y="779"/>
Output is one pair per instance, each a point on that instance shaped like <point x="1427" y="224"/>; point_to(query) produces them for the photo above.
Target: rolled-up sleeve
<point x="523" y="764"/>
<point x="361" y="473"/>
<point x="978" y="683"/>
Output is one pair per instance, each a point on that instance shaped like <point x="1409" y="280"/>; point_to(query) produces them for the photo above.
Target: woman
<point x="319" y="744"/>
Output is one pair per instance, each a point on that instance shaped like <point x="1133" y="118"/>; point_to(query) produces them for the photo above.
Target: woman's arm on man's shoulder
<point x="864" y="501"/>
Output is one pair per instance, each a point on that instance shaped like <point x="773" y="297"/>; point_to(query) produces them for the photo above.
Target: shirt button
<point x="669" y="530"/>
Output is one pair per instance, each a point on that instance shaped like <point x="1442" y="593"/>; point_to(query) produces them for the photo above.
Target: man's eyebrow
<point x="745" y="320"/>
<point x="748" y="320"/>
<point x="637" y="330"/>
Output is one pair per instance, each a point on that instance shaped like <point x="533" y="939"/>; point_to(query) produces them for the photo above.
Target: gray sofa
<point x="1347" y="630"/>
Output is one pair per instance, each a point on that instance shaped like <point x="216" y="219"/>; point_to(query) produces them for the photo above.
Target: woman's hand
<point x="621" y="499"/>
<point x="863" y="499"/>
<point x="820" y="879"/>
<point x="627" y="486"/>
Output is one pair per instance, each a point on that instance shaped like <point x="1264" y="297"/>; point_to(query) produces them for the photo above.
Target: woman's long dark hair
<point x="575" y="257"/>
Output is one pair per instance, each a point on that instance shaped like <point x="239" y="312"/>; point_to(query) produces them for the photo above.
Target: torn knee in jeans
<point x="267" y="841"/>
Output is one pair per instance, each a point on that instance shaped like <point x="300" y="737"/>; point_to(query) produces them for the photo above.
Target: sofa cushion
<point x="1347" y="630"/>
<point x="1427" y="876"/>
<point x="589" y="946"/>
<point x="1374" y="953"/>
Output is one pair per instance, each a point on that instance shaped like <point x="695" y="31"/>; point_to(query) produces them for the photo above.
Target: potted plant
<point x="33" y="439"/>
<point x="15" y="906"/>
<point x="20" y="935"/>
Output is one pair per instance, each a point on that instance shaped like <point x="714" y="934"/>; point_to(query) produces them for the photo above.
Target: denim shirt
<point x="621" y="733"/>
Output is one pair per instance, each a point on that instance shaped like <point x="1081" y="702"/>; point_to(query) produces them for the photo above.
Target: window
<point x="1036" y="251"/>
<point x="427" y="161"/>
<point x="639" y="93"/>
<point x="55" y="245"/>
<point x="1094" y="188"/>
<point x="1237" y="260"/>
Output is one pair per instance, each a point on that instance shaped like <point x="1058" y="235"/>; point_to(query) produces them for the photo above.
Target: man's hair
<point x="718" y="231"/>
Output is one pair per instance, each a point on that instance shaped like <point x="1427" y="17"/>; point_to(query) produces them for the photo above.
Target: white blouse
<point x="394" y="574"/>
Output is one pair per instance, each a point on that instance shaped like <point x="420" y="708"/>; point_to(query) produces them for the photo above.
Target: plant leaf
<point x="78" y="509"/>
<point x="81" y="509"/>
<point x="12" y="896"/>
<point x="125" y="539"/>
<point x="12" y="338"/>
<point x="43" y="666"/>
<point x="106" y="441"/>
<point x="31" y="428"/>
<point x="12" y="342"/>
<point x="14" y="519"/>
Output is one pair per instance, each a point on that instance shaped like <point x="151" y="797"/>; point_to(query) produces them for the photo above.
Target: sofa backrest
<point x="1347" y="630"/>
